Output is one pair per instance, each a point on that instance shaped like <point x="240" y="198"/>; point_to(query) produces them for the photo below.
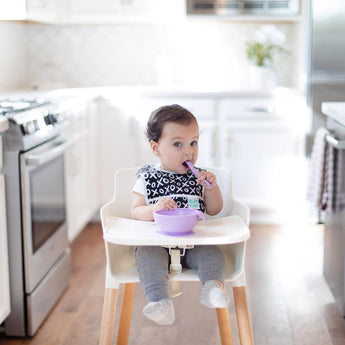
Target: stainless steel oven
<point x="39" y="254"/>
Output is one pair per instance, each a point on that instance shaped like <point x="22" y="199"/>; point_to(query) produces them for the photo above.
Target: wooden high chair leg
<point x="126" y="314"/>
<point x="224" y="326"/>
<point x="243" y="317"/>
<point x="108" y="317"/>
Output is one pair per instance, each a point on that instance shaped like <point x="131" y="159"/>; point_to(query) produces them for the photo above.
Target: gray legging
<point x="153" y="267"/>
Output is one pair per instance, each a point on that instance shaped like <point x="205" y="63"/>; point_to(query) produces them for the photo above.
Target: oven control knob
<point x="46" y="120"/>
<point x="29" y="127"/>
<point x="37" y="125"/>
<point x="49" y="119"/>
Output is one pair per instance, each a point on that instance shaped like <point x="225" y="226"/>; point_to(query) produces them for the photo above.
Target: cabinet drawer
<point x="203" y="109"/>
<point x="247" y="108"/>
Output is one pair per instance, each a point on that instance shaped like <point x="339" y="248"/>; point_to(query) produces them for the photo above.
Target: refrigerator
<point x="326" y="83"/>
<point x="326" y="68"/>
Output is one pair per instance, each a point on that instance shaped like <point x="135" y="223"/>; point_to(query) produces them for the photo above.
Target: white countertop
<point x="122" y="96"/>
<point x="334" y="110"/>
<point x="149" y="90"/>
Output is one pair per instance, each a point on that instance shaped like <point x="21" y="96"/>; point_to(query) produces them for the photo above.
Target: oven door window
<point x="48" y="202"/>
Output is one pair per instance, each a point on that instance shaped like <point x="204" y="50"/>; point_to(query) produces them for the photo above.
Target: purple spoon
<point x="195" y="171"/>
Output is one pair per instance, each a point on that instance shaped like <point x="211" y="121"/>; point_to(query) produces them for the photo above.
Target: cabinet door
<point x="101" y="11"/>
<point x="4" y="273"/>
<point x="82" y="198"/>
<point x="119" y="144"/>
<point x="77" y="186"/>
<point x="43" y="10"/>
<point x="91" y="10"/>
<point x="258" y="156"/>
<point x="12" y="10"/>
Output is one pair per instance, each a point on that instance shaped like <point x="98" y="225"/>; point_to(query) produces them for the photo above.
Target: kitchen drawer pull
<point x="267" y="109"/>
<point x="51" y="153"/>
<point x="337" y="144"/>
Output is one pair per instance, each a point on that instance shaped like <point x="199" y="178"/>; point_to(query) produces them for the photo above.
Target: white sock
<point x="161" y="312"/>
<point x="212" y="295"/>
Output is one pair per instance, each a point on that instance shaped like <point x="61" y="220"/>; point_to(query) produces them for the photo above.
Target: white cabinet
<point x="250" y="136"/>
<point x="4" y="273"/>
<point x="37" y="10"/>
<point x="104" y="11"/>
<point x="80" y="166"/>
<point x="92" y="11"/>
<point x="44" y="10"/>
<point x="263" y="153"/>
<point x="120" y="145"/>
<point x="12" y="10"/>
<point x="256" y="154"/>
<point x="247" y="134"/>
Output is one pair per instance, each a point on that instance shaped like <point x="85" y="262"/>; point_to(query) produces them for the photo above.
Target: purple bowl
<point x="176" y="222"/>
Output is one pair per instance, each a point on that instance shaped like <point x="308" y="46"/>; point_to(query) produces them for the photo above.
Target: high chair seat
<point x="121" y="234"/>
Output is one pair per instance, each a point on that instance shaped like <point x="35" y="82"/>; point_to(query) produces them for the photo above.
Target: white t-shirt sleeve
<point x="139" y="186"/>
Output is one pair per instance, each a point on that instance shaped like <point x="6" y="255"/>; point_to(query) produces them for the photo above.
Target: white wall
<point x="206" y="54"/>
<point x="13" y="57"/>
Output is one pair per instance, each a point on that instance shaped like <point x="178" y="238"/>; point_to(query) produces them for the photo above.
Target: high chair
<point x="229" y="230"/>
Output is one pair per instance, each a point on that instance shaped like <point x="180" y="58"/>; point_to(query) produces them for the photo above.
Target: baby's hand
<point x="207" y="175"/>
<point x="164" y="204"/>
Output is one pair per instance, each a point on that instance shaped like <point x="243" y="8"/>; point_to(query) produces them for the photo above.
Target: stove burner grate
<point x="12" y="105"/>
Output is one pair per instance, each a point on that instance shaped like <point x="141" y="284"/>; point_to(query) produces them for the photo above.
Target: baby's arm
<point x="141" y="211"/>
<point x="213" y="195"/>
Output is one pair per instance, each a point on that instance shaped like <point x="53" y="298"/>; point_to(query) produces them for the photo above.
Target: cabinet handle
<point x="337" y="144"/>
<point x="268" y="109"/>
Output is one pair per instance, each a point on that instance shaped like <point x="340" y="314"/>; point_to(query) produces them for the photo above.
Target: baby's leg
<point x="208" y="261"/>
<point x="210" y="265"/>
<point x="152" y="262"/>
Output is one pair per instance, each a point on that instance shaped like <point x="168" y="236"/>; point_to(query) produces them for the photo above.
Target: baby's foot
<point x="212" y="295"/>
<point x="161" y="312"/>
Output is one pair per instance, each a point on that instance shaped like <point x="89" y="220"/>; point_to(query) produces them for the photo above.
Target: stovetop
<point x="31" y="121"/>
<point x="14" y="105"/>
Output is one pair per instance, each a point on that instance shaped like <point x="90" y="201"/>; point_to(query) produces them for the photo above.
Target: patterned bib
<point x="182" y="188"/>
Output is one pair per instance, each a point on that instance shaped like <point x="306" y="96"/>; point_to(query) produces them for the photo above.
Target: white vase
<point x="261" y="78"/>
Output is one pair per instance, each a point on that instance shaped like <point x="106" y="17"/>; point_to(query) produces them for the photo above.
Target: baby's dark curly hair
<point x="168" y="113"/>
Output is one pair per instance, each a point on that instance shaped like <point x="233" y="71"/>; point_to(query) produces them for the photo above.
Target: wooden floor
<point x="289" y="300"/>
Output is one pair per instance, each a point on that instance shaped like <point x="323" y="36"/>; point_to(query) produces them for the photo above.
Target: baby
<point x="173" y="134"/>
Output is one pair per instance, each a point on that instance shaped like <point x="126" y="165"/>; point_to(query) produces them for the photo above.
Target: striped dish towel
<point x="318" y="170"/>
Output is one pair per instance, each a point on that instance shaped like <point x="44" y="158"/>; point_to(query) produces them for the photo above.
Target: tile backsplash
<point x="203" y="54"/>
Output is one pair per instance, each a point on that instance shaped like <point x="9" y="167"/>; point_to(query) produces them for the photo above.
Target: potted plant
<point x="261" y="51"/>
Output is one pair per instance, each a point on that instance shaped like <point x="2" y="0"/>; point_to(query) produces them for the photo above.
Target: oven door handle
<point x="337" y="144"/>
<point x="39" y="159"/>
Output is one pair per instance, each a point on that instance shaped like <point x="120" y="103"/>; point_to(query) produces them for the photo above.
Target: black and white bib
<point x="182" y="188"/>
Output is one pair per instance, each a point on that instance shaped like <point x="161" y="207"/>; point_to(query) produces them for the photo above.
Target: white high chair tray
<point x="218" y="231"/>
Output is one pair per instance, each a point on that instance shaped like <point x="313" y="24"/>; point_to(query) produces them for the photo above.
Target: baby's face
<point x="177" y="144"/>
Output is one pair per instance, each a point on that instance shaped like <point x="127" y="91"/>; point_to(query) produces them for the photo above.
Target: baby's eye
<point x="178" y="144"/>
<point x="194" y="143"/>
